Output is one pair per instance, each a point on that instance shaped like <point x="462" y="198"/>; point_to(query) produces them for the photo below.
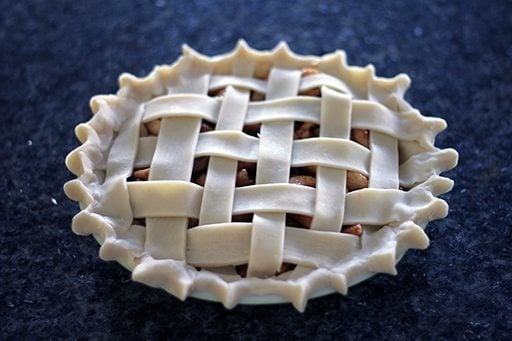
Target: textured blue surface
<point x="56" y="54"/>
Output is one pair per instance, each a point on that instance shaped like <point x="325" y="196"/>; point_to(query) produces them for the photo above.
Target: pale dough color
<point x="165" y="253"/>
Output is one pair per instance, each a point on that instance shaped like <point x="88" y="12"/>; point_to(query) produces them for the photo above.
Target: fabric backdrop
<point x="55" y="55"/>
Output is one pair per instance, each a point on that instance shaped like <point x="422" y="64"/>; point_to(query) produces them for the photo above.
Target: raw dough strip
<point x="276" y="140"/>
<point x="330" y="152"/>
<point x="188" y="105"/>
<point x="334" y="123"/>
<point x="416" y="169"/>
<point x="365" y="114"/>
<point x="228" y="144"/>
<point x="301" y="246"/>
<point x="176" y="144"/>
<point x="383" y="161"/>
<point x="219" y="187"/>
<point x="166" y="237"/>
<point x="247" y="83"/>
<point x="165" y="199"/>
<point x="307" y="83"/>
<point x="277" y="197"/>
<point x="296" y="108"/>
<point x="393" y="205"/>
<point x="321" y="79"/>
<point x="325" y="151"/>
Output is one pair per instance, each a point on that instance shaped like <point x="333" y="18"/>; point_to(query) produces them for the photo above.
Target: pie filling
<point x="258" y="173"/>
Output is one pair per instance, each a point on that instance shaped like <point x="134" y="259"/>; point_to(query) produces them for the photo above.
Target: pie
<point x="258" y="174"/>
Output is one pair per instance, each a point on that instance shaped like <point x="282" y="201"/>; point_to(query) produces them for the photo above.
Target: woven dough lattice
<point x="220" y="143"/>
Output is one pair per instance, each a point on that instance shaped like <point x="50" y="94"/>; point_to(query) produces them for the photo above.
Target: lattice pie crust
<point x="258" y="173"/>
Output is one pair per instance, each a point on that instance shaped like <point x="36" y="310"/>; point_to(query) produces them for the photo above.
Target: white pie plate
<point x="276" y="299"/>
<point x="267" y="299"/>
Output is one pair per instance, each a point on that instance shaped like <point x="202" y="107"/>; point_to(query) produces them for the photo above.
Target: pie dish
<point x="258" y="176"/>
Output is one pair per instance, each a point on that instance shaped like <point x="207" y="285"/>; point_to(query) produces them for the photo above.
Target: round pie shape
<point x="258" y="174"/>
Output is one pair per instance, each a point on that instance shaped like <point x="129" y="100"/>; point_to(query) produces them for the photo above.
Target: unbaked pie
<point x="258" y="174"/>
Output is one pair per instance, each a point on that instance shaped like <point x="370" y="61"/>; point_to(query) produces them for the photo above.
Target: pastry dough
<point x="170" y="253"/>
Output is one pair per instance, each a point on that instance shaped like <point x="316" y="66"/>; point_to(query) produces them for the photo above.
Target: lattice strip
<point x="334" y="123"/>
<point x="365" y="115"/>
<point x="390" y="205"/>
<point x="219" y="82"/>
<point x="407" y="126"/>
<point x="182" y="105"/>
<point x="228" y="144"/>
<point x="285" y="109"/>
<point x="166" y="237"/>
<point x="176" y="144"/>
<point x="219" y="187"/>
<point x="383" y="161"/>
<point x="301" y="246"/>
<point x="335" y="153"/>
<point x="320" y="80"/>
<point x="164" y="199"/>
<point x="219" y="250"/>
<point x="219" y="190"/>
<point x="279" y="197"/>
<point x="273" y="166"/>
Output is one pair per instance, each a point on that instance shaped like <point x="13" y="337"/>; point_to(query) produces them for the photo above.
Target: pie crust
<point x="146" y="225"/>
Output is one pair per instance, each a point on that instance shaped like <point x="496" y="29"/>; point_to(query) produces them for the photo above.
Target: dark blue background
<point x="56" y="54"/>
